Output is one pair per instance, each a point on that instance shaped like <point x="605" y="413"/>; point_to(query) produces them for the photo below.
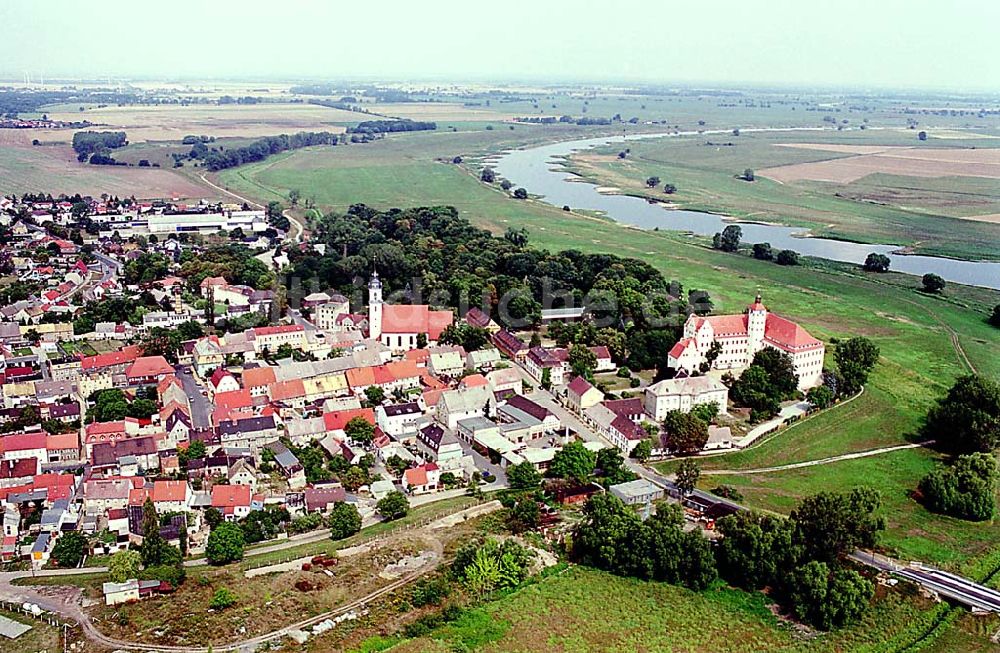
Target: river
<point x="537" y="170"/>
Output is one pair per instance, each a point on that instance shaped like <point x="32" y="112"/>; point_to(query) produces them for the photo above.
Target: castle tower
<point x="375" y="307"/>
<point x="756" y="322"/>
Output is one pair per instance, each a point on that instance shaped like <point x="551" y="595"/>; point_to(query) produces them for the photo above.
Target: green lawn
<point x="913" y="532"/>
<point x="560" y="613"/>
<point x="916" y="211"/>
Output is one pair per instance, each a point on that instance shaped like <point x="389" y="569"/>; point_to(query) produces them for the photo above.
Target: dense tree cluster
<point x="684" y="433"/>
<point x="234" y="262"/>
<point x="573" y="462"/>
<point x="225" y="544"/>
<point x="966" y="489"/>
<point x="88" y="143"/>
<point x="876" y="263"/>
<point x="146" y="268"/>
<point x="798" y="558"/>
<point x="613" y="537"/>
<point x="485" y="566"/>
<point x="769" y="380"/>
<point x="856" y="358"/>
<point x="729" y="239"/>
<point x="432" y="255"/>
<point x="967" y="419"/>
<point x="220" y="159"/>
<point x="391" y="126"/>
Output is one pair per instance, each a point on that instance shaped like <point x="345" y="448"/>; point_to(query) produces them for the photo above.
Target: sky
<point x="951" y="44"/>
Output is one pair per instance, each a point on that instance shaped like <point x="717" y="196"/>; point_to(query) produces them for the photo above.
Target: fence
<point x="44" y="616"/>
<point x="372" y="539"/>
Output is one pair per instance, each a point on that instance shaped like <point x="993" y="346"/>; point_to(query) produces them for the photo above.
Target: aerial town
<point x="529" y="328"/>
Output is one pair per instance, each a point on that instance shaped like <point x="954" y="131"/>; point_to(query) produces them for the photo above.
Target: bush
<point x="966" y="490"/>
<point x="222" y="599"/>
<point x="173" y="574"/>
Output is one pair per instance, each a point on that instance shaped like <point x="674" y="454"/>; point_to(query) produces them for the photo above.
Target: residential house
<point x="683" y="394"/>
<point x="456" y="405"/>
<point x="233" y="501"/>
<point x="421" y="479"/>
<point x="581" y="395"/>
<point x="399" y="420"/>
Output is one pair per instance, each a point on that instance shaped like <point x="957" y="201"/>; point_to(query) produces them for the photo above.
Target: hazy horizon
<point x="887" y="45"/>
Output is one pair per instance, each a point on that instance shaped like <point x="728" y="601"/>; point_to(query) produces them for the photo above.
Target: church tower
<point x="756" y="322"/>
<point x="375" y="307"/>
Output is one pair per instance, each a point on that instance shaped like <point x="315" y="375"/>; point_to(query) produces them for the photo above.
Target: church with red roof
<point x="398" y="326"/>
<point x="739" y="337"/>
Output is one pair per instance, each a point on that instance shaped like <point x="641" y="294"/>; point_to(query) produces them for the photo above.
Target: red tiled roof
<point x="217" y="376"/>
<point x="105" y="428"/>
<point x="404" y="369"/>
<point x="234" y="399"/>
<point x="125" y="355"/>
<point x="579" y="385"/>
<point x="477" y="318"/>
<point x="415" y="318"/>
<point x="416" y="476"/>
<point x="338" y="419"/>
<point x="63" y="441"/>
<point x="281" y="328"/>
<point x="474" y="381"/>
<point x="229" y="496"/>
<point x="418" y="356"/>
<point x="678" y="349"/>
<point x="148" y="366"/>
<point x="169" y="491"/>
<point x="291" y="389"/>
<point x="22" y="442"/>
<point x="359" y="377"/>
<point x="727" y="325"/>
<point x="258" y="376"/>
<point x="786" y="334"/>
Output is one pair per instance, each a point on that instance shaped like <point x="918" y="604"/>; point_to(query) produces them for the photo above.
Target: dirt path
<point x="821" y="461"/>
<point x="65" y="600"/>
<point x="298" y="228"/>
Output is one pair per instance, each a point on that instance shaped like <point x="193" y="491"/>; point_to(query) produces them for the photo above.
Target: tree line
<point x="220" y="159"/>
<point x="391" y="126"/>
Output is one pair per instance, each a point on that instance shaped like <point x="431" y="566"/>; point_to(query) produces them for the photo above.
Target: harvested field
<point x="439" y="111"/>
<point x="842" y="147"/>
<point x="54" y="169"/>
<point x="173" y="122"/>
<point x="904" y="161"/>
<point x="992" y="217"/>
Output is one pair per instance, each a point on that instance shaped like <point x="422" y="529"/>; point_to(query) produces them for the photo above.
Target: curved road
<point x="821" y="461"/>
<point x="298" y="228"/>
<point x="65" y="600"/>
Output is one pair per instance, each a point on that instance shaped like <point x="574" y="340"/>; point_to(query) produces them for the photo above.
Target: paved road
<point x="109" y="267"/>
<point x="301" y="321"/>
<point x="201" y="407"/>
<point x="944" y="584"/>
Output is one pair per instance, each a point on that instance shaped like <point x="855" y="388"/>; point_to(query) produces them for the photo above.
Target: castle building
<point x="397" y="326"/>
<point x="739" y="337"/>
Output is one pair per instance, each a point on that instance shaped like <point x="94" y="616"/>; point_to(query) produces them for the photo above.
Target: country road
<point x="298" y="228"/>
<point x="65" y="600"/>
<point x="821" y="461"/>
